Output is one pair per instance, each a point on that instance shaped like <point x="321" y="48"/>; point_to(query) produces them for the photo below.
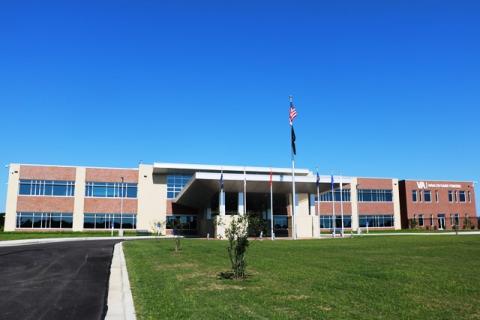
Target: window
<point x="55" y="188"/>
<point x="106" y="220"/>
<point x="280" y="222"/>
<point x="175" y="184"/>
<point x="436" y="196"/>
<point x="455" y="219"/>
<point x="182" y="222"/>
<point x="374" y="195"/>
<point x="427" y="196"/>
<point x="461" y="196"/>
<point x="111" y="190"/>
<point x="327" y="196"/>
<point x="450" y="196"/>
<point x="44" y="220"/>
<point x="326" y="222"/>
<point x="376" y="221"/>
<point x="414" y="195"/>
<point x="420" y="220"/>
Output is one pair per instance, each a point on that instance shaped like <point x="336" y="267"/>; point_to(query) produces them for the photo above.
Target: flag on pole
<point x="221" y="181"/>
<point x="318" y="179"/>
<point x="294" y="149"/>
<point x="332" y="182"/>
<point x="293" y="113"/>
<point x="271" y="178"/>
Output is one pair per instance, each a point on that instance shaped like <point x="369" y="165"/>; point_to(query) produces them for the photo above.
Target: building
<point x="187" y="199"/>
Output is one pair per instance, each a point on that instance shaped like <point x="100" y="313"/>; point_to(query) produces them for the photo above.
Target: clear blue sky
<point x="382" y="88"/>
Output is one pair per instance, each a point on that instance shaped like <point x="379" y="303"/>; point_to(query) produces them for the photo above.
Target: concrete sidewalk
<point x="11" y="243"/>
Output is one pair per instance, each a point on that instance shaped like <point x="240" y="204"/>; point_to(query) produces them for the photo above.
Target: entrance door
<point x="441" y="221"/>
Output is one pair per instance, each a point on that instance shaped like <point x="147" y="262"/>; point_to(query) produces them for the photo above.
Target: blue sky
<point x="387" y="88"/>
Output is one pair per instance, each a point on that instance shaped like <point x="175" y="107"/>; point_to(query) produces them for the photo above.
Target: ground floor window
<point x="182" y="222"/>
<point x="326" y="222"/>
<point x="107" y="220"/>
<point x="455" y="219"/>
<point x="44" y="220"/>
<point x="420" y="220"/>
<point x="376" y="221"/>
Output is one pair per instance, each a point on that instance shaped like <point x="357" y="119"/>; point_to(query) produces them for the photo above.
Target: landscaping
<point x="407" y="277"/>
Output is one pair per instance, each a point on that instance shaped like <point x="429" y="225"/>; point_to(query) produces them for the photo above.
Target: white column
<point x="312" y="204"/>
<point x="209" y="213"/>
<point x="354" y="203"/>
<point x="396" y="205"/>
<point x="221" y="203"/>
<point x="12" y="192"/>
<point x="240" y="207"/>
<point x="79" y="201"/>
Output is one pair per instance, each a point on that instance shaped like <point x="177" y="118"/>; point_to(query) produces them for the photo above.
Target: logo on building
<point x="424" y="185"/>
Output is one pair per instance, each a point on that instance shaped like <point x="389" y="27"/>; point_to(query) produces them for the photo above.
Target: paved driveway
<point x="55" y="281"/>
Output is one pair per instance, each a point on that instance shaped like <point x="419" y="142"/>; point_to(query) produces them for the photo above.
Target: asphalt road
<point x="55" y="281"/>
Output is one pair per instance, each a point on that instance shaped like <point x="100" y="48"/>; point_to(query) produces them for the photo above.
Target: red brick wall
<point x="173" y="208"/>
<point x="47" y="173"/>
<point x="326" y="208"/>
<point x="106" y="205"/>
<point x="44" y="204"/>
<point x="411" y="208"/>
<point x="370" y="183"/>
<point x="111" y="175"/>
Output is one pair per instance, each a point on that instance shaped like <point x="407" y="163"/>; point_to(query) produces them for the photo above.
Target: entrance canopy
<point x="203" y="185"/>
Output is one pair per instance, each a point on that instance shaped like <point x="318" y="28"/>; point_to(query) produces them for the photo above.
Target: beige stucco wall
<point x="12" y="192"/>
<point x="152" y="199"/>
<point x="79" y="200"/>
<point x="396" y="205"/>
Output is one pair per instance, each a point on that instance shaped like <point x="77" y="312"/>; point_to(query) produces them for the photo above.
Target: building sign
<point x="427" y="185"/>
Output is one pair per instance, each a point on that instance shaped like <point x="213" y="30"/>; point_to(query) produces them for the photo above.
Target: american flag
<point x="293" y="113"/>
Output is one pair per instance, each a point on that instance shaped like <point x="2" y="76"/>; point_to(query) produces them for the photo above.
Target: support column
<point x="312" y="205"/>
<point x="240" y="207"/>
<point x="221" y="203"/>
<point x="209" y="213"/>
<point x="397" y="223"/>
<point x="12" y="192"/>
<point x="354" y="203"/>
<point x="79" y="201"/>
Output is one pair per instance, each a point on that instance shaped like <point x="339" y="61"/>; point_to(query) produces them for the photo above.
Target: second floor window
<point x="414" y="195"/>
<point x="461" y="196"/>
<point x="427" y="196"/>
<point x="111" y="190"/>
<point x="47" y="188"/>
<point x="375" y="195"/>
<point x="327" y="196"/>
<point x="175" y="184"/>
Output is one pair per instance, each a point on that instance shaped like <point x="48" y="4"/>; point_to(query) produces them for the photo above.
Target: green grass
<point x="404" y="277"/>
<point x="59" y="234"/>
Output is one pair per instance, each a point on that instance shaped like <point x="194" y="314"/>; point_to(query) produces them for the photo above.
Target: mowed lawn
<point x="394" y="277"/>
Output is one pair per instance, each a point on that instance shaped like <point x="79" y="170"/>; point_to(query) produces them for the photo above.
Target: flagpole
<point x="334" y="222"/>
<point x="271" y="205"/>
<point x="318" y="201"/>
<point x="341" y="202"/>
<point x="294" y="220"/>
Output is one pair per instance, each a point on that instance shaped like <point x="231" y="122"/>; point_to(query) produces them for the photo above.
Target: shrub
<point x="237" y="236"/>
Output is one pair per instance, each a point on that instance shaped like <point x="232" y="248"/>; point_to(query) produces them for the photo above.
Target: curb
<point x="120" y="300"/>
<point x="11" y="243"/>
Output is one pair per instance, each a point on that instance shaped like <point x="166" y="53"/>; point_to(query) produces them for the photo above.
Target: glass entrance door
<point x="441" y="221"/>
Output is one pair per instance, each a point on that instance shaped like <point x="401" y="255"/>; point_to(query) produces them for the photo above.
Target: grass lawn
<point x="59" y="234"/>
<point x="395" y="277"/>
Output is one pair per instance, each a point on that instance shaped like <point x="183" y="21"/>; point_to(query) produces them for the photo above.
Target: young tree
<point x="237" y="236"/>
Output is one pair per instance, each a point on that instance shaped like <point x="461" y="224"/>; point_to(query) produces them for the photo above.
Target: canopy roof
<point x="203" y="185"/>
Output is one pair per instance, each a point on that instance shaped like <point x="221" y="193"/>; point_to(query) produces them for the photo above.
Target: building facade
<point x="199" y="200"/>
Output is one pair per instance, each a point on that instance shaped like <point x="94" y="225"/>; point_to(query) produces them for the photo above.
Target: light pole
<point x="121" y="205"/>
